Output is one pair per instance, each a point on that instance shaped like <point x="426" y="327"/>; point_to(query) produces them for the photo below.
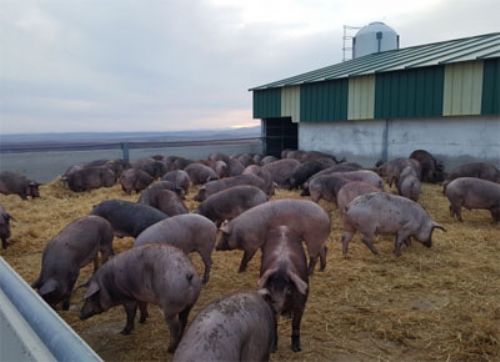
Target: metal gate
<point x="279" y="134"/>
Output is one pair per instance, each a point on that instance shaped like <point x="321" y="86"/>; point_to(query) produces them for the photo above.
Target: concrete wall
<point x="454" y="140"/>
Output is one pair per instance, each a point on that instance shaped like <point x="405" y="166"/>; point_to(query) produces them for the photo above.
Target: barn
<point x="443" y="97"/>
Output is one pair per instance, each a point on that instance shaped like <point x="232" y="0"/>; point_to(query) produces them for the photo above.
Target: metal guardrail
<point x="55" y="335"/>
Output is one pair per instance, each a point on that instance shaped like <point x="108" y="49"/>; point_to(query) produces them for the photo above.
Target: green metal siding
<point x="324" y="101"/>
<point x="361" y="97"/>
<point x="290" y="103"/>
<point x="463" y="84"/>
<point x="491" y="87"/>
<point x="409" y="93"/>
<point x="267" y="103"/>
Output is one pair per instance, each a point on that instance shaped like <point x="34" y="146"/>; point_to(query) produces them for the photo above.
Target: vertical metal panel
<point x="290" y="103"/>
<point x="324" y="101"/>
<point x="267" y="103"/>
<point x="462" y="88"/>
<point x="409" y="93"/>
<point x="491" y="87"/>
<point x="361" y="101"/>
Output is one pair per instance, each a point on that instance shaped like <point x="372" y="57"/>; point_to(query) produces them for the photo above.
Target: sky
<point x="151" y="65"/>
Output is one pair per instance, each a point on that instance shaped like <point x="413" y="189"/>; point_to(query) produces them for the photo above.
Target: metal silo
<point x="374" y="38"/>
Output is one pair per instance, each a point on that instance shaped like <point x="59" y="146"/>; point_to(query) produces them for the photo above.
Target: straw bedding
<point x="440" y="304"/>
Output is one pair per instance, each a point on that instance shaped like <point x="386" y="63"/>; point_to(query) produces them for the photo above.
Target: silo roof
<point x="478" y="47"/>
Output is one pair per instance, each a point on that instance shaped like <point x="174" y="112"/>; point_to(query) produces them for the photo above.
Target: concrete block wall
<point x="454" y="140"/>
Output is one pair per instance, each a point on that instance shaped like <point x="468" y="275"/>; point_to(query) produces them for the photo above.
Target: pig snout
<point x="89" y="309"/>
<point x="222" y="243"/>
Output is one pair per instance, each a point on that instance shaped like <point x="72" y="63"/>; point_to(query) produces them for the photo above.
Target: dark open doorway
<point x="280" y="134"/>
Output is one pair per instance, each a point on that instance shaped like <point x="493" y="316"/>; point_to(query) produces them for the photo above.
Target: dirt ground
<point x="439" y="304"/>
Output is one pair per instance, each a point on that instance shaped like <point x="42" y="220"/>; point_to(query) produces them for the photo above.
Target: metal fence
<point x="44" y="162"/>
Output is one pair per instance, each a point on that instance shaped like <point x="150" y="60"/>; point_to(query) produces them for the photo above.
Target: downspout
<point x="385" y="141"/>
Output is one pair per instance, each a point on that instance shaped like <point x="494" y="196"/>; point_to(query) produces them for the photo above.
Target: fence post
<point x="125" y="151"/>
<point x="385" y="142"/>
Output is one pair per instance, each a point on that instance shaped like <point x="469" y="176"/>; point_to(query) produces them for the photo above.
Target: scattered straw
<point x="440" y="304"/>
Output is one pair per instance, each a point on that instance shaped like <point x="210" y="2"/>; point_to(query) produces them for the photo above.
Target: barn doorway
<point x="279" y="134"/>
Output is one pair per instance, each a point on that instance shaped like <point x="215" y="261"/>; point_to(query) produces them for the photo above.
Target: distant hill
<point x="110" y="137"/>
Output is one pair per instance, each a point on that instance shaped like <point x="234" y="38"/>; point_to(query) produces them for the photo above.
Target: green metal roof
<point x="478" y="47"/>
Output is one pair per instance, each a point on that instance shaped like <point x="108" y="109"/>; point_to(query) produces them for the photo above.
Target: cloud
<point x="157" y="65"/>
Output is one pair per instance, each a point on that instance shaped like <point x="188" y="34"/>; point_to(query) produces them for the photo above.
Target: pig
<point x="5" y="218"/>
<point x="212" y="187"/>
<point x="89" y="178"/>
<point x="149" y="195"/>
<point x="392" y="169"/>
<point x="179" y="178"/>
<point x="432" y="170"/>
<point x="128" y="218"/>
<point x="306" y="170"/>
<point x="480" y="170"/>
<point x="152" y="167"/>
<point x="164" y="200"/>
<point x="316" y="155"/>
<point x="383" y="213"/>
<point x="267" y="159"/>
<point x="257" y="159"/>
<point x="218" y="156"/>
<point x="189" y="232"/>
<point x="221" y="169"/>
<point x="15" y="183"/>
<point x="229" y="203"/>
<point x="327" y="186"/>
<point x="341" y="167"/>
<point x="134" y="179"/>
<point x="350" y="190"/>
<point x="200" y="174"/>
<point x="282" y="170"/>
<point x="408" y="184"/>
<point x="246" y="159"/>
<point x="473" y="193"/>
<point x="293" y="154"/>
<point x="117" y="166"/>
<point x="284" y="273"/>
<point x="248" y="231"/>
<point x="74" y="247"/>
<point x="237" y="327"/>
<point x="264" y="175"/>
<point x="158" y="274"/>
<point x="235" y="167"/>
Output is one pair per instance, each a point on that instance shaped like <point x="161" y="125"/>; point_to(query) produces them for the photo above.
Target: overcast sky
<point x="146" y="65"/>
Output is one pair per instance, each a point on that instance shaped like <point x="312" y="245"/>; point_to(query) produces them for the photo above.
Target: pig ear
<point x="299" y="283"/>
<point x="48" y="287"/>
<point x="265" y="294"/>
<point x="91" y="290"/>
<point x="263" y="279"/>
<point x="225" y="227"/>
<point x="438" y="226"/>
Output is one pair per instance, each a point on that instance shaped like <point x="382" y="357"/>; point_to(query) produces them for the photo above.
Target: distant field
<point x="438" y="304"/>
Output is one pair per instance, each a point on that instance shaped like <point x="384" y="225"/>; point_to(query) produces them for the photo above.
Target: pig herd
<point x="234" y="212"/>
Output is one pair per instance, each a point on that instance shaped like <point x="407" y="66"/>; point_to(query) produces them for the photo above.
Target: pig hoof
<point x="126" y="331"/>
<point x="171" y="349"/>
<point x="296" y="348"/>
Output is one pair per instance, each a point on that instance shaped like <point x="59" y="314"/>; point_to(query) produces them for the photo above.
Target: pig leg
<point x="314" y="259"/>
<point x="183" y="318"/>
<point x="96" y="263"/>
<point x="4" y="243"/>
<point x="322" y="258"/>
<point x="143" y="308"/>
<point x="296" y="319"/>
<point x="130" y="309"/>
<point x="207" y="260"/>
<point x="66" y="302"/>
<point x="367" y="240"/>
<point x="346" y="237"/>
<point x="247" y="255"/>
<point x="398" y="243"/>
<point x="175" y="327"/>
